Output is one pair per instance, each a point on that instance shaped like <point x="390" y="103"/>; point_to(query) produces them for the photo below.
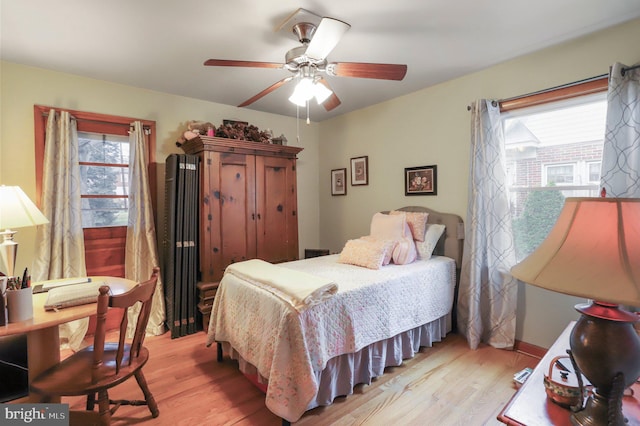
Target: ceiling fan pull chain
<point x="298" y="124"/>
<point x="307" y="113"/>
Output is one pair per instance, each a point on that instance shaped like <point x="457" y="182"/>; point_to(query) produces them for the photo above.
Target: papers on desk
<point x="72" y="295"/>
<point x="48" y="285"/>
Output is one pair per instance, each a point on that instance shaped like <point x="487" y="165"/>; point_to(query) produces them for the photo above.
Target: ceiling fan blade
<point x="333" y="101"/>
<point x="365" y="70"/>
<point x="250" y="64"/>
<point x="326" y="37"/>
<point x="266" y="91"/>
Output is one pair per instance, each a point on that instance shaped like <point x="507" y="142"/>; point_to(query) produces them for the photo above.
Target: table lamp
<point x="593" y="251"/>
<point x="16" y="211"/>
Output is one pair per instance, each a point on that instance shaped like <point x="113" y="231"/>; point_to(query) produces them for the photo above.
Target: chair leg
<point x="104" y="409"/>
<point x="91" y="401"/>
<point x="151" y="402"/>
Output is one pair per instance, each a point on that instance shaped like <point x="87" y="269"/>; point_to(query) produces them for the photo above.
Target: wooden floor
<point x="448" y="384"/>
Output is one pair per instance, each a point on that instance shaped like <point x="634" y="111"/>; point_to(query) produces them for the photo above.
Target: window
<point x="553" y="151"/>
<point x="104" y="167"/>
<point x="593" y="169"/>
<point x="559" y="174"/>
<point x="104" y="171"/>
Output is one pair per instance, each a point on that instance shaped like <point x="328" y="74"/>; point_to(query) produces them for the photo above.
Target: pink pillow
<point x="405" y="251"/>
<point x="388" y="245"/>
<point x="417" y="222"/>
<point x="388" y="227"/>
<point x="363" y="253"/>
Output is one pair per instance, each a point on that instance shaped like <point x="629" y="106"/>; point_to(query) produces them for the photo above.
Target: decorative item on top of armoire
<point x="251" y="189"/>
<point x="180" y="243"/>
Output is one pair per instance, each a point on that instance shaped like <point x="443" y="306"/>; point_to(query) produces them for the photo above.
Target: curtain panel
<point x="60" y="252"/>
<point x="620" y="174"/>
<point x="141" y="254"/>
<point x="487" y="295"/>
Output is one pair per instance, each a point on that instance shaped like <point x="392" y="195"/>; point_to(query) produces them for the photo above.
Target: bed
<point x="377" y="318"/>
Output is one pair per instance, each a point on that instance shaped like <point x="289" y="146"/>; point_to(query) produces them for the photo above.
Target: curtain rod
<point x="624" y="70"/>
<point x="550" y="89"/>
<point x="562" y="86"/>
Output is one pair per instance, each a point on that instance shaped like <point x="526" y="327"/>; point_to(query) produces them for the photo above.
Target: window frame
<point x="545" y="173"/>
<point x="574" y="90"/>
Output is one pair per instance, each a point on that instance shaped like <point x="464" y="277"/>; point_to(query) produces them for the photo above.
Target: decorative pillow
<point x="389" y="245"/>
<point x="431" y="238"/>
<point x="417" y="222"/>
<point x="405" y="251"/>
<point x="369" y="254"/>
<point x="387" y="227"/>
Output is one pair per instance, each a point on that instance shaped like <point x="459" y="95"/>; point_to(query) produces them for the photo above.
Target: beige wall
<point x="432" y="126"/>
<point x="22" y="87"/>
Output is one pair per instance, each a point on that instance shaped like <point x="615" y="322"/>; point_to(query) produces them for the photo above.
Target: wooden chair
<point x="94" y="370"/>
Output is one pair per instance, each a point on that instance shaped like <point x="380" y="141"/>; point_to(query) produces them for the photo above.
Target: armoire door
<point x="276" y="207"/>
<point x="231" y="214"/>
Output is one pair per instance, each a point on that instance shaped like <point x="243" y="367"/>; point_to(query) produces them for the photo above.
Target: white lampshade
<point x="303" y="92"/>
<point x="17" y="210"/>
<point x="307" y="89"/>
<point x="593" y="251"/>
<point x="321" y="92"/>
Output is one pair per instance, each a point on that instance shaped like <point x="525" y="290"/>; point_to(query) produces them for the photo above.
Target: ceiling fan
<point x="308" y="62"/>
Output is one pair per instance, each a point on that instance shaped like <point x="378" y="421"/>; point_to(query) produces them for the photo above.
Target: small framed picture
<point x="421" y="180"/>
<point x="360" y="171"/>
<point x="339" y="182"/>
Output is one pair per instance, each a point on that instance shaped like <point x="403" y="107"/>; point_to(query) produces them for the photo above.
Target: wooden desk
<point x="43" y="340"/>
<point x="530" y="405"/>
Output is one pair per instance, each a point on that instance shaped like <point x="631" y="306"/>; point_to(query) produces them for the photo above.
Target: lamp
<point x="593" y="251"/>
<point x="308" y="88"/>
<point x="16" y="211"/>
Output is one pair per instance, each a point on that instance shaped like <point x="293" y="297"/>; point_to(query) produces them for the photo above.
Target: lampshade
<point x="306" y="89"/>
<point x="16" y="211"/>
<point x="593" y="251"/>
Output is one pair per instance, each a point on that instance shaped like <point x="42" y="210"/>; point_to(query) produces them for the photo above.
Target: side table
<point x="530" y="405"/>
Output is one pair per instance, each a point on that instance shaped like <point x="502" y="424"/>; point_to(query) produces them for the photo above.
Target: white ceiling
<point x="161" y="44"/>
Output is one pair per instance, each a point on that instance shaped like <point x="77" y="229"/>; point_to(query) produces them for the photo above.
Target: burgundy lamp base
<point x="606" y="348"/>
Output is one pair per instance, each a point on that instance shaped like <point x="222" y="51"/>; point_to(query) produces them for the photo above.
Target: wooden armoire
<point x="248" y="203"/>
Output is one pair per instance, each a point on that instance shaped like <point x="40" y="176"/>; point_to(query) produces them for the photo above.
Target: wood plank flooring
<point x="447" y="384"/>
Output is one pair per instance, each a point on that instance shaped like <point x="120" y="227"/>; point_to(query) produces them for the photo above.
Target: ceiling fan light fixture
<point x="303" y="92"/>
<point x="321" y="92"/>
<point x="306" y="89"/>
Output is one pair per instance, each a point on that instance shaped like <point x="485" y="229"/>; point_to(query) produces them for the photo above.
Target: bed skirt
<point x="343" y="372"/>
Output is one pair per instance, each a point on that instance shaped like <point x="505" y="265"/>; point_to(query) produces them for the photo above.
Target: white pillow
<point x="431" y="238"/>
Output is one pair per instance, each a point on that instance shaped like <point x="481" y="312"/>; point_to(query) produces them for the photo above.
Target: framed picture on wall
<point x="339" y="181"/>
<point x="360" y="171"/>
<point x="421" y="180"/>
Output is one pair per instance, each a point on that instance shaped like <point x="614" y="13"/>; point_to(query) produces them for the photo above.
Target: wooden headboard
<point x="452" y="242"/>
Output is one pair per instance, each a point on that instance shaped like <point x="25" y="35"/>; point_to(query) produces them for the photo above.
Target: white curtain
<point x="141" y="254"/>
<point x="487" y="296"/>
<point x="60" y="252"/>
<point x="621" y="153"/>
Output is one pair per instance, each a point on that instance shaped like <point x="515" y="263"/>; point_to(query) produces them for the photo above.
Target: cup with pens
<point x="19" y="298"/>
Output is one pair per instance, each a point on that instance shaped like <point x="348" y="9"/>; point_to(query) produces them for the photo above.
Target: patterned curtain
<point x="141" y="254"/>
<point x="487" y="296"/>
<point x="60" y="252"/>
<point x="621" y="153"/>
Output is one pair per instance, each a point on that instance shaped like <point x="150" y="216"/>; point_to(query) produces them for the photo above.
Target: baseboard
<point x="529" y="349"/>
